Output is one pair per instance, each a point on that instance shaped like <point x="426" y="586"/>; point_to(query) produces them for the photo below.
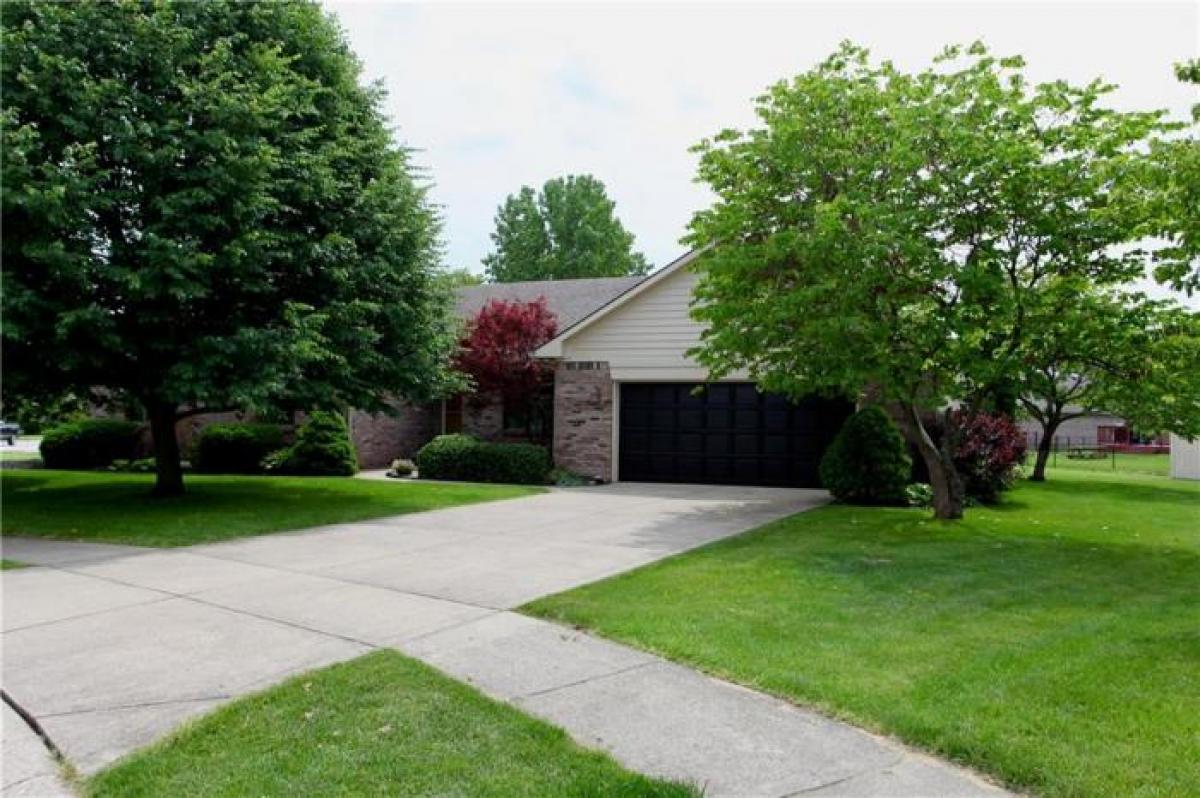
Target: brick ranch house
<point x="625" y="404"/>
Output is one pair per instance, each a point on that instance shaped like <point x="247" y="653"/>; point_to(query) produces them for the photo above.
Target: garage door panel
<point x="662" y="419"/>
<point x="726" y="433"/>
<point x="775" y="445"/>
<point x="717" y="419"/>
<point x="746" y="445"/>
<point x="746" y="394"/>
<point x="635" y="416"/>
<point x="748" y="419"/>
<point x="718" y="445"/>
<point x="690" y="469"/>
<point x="718" y="469"/>
<point x="664" y="393"/>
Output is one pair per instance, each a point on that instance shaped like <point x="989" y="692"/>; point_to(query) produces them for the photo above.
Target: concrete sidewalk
<point x="112" y="648"/>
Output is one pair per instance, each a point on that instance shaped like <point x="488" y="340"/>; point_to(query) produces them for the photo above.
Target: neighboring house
<point x="1185" y="458"/>
<point x="1094" y="428"/>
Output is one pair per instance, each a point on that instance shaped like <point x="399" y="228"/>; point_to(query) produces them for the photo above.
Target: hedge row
<point x="93" y="443"/>
<point x="463" y="457"/>
<point x="234" y="448"/>
<point x="322" y="447"/>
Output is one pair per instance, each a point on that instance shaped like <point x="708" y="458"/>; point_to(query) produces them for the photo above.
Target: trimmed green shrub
<point x="322" y="448"/>
<point x="466" y="458"/>
<point x="868" y="461"/>
<point x="447" y="457"/>
<point x="93" y="443"/>
<point x="234" y="447"/>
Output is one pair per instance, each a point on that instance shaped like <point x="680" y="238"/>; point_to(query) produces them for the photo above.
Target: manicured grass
<point x="1120" y="463"/>
<point x="1053" y="641"/>
<point x="118" y="508"/>
<point x="8" y="565"/>
<point x="379" y="725"/>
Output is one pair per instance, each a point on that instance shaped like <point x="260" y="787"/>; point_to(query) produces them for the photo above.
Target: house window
<point x="531" y="420"/>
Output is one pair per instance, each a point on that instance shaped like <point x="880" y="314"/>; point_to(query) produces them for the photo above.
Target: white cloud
<point x="498" y="96"/>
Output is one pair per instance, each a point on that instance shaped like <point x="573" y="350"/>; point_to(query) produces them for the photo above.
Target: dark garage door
<point x="728" y="433"/>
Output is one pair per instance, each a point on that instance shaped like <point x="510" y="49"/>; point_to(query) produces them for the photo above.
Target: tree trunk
<point x="167" y="468"/>
<point x="949" y="496"/>
<point x="1045" y="446"/>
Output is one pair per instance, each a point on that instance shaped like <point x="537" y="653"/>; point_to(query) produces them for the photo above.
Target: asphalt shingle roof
<point x="569" y="300"/>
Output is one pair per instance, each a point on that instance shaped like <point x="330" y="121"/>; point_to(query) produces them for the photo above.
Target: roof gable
<point x="554" y="347"/>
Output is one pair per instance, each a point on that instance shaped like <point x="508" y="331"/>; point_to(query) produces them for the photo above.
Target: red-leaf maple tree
<point x="497" y="351"/>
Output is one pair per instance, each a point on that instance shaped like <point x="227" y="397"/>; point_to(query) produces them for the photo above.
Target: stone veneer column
<point x="583" y="418"/>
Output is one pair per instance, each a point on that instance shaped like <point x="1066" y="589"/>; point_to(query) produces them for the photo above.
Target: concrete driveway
<point x="110" y="648"/>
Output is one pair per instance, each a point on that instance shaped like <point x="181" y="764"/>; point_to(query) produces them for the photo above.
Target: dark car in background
<point x="9" y="432"/>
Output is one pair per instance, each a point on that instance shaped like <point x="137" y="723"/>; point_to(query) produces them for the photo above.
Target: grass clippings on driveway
<point x="117" y="508"/>
<point x="1053" y="641"/>
<point x="379" y="725"/>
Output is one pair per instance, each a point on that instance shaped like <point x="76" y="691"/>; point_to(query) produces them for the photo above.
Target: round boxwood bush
<point x="322" y="448"/>
<point x="466" y="458"/>
<point x="868" y="461"/>
<point x="234" y="448"/>
<point x="92" y="443"/>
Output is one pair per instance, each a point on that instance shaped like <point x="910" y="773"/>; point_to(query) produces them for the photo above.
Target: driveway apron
<point x="110" y="648"/>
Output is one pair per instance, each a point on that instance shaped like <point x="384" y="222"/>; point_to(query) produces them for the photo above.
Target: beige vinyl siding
<point x="647" y="337"/>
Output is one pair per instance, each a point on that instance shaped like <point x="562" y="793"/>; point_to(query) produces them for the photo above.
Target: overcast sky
<point x="498" y="96"/>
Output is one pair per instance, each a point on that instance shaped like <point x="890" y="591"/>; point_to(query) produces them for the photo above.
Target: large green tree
<point x="1174" y="198"/>
<point x="204" y="209"/>
<point x="886" y="233"/>
<point x="568" y="230"/>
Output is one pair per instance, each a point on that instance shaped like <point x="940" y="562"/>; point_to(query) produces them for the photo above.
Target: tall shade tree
<point x="1117" y="352"/>
<point x="203" y="209"/>
<point x="1174" y="199"/>
<point x="885" y="232"/>
<point x="568" y="230"/>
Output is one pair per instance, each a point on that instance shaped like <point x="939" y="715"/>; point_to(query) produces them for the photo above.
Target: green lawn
<point x="379" y="725"/>
<point x="1120" y="463"/>
<point x="117" y="508"/>
<point x="1053" y="641"/>
<point x="8" y="565"/>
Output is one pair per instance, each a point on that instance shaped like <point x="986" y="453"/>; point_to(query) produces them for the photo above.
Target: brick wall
<point x="583" y="418"/>
<point x="483" y="417"/>
<point x="381" y="438"/>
